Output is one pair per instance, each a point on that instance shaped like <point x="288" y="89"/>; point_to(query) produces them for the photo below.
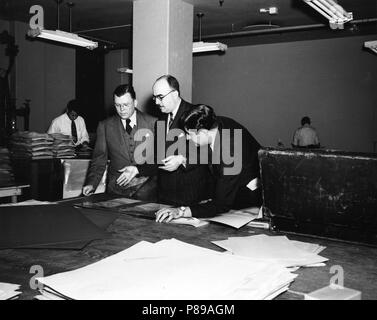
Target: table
<point x="359" y="262"/>
<point x="12" y="191"/>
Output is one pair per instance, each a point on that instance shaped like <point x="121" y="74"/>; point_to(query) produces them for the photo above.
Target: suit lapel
<point x="181" y="109"/>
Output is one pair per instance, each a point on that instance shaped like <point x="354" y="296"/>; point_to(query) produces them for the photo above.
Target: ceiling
<point x="222" y="18"/>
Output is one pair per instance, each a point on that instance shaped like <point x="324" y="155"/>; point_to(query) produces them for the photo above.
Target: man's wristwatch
<point x="182" y="211"/>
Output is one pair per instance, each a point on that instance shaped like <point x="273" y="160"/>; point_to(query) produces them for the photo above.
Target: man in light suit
<point x="116" y="142"/>
<point x="179" y="182"/>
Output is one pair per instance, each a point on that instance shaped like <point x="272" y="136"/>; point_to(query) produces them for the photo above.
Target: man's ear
<point x="135" y="103"/>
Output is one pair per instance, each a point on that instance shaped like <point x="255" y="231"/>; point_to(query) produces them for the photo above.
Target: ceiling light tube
<point x="372" y="45"/>
<point x="62" y="36"/>
<point x="336" y="15"/>
<point x="201" y="46"/>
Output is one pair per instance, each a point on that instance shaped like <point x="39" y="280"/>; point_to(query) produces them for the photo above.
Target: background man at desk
<point x="115" y="142"/>
<point x="306" y="135"/>
<point x="72" y="124"/>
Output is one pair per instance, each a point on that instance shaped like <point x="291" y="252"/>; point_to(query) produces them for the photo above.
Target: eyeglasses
<point x="124" y="105"/>
<point x="160" y="96"/>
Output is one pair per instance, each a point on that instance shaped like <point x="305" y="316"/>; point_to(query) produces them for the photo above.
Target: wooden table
<point x="358" y="262"/>
<point x="12" y="191"/>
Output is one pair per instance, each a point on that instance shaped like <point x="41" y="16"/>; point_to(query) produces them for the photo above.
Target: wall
<point x="114" y="60"/>
<point x="270" y="87"/>
<point x="45" y="73"/>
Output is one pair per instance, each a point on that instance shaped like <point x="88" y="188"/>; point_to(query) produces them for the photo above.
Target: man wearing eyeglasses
<point x="116" y="142"/>
<point x="179" y="183"/>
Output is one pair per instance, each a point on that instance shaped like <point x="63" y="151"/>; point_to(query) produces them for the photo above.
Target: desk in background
<point x="358" y="262"/>
<point x="52" y="179"/>
<point x="12" y="191"/>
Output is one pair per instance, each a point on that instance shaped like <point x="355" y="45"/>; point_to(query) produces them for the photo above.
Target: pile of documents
<point x="170" y="270"/>
<point x="9" y="291"/>
<point x="278" y="249"/>
<point x="6" y="171"/>
<point x="31" y="145"/>
<point x="238" y="218"/>
<point x="62" y="146"/>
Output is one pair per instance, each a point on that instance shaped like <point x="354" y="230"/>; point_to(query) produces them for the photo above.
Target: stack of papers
<point x="238" y="218"/>
<point x="9" y="291"/>
<point x="170" y="270"/>
<point x="278" y="249"/>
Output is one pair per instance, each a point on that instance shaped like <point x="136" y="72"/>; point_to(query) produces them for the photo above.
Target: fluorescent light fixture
<point x="62" y="36"/>
<point x="124" y="70"/>
<point x="336" y="15"/>
<point x="372" y="45"/>
<point x="208" y="46"/>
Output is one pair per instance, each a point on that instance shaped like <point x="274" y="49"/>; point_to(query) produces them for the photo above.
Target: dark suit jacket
<point x="186" y="185"/>
<point x="230" y="189"/>
<point x="110" y="145"/>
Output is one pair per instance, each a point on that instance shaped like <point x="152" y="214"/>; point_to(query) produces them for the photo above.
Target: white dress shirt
<point x="62" y="124"/>
<point x="132" y="120"/>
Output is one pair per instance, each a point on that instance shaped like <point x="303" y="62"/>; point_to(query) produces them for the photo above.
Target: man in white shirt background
<point x="72" y="124"/>
<point x="306" y="136"/>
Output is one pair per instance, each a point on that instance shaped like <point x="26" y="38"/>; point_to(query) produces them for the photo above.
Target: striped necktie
<point x="171" y="119"/>
<point x="128" y="126"/>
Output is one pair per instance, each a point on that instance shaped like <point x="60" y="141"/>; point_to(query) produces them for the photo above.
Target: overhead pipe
<point x="279" y="30"/>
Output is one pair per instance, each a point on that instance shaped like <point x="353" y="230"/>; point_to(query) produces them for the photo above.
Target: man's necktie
<point x="74" y="131"/>
<point x="171" y="119"/>
<point x="128" y="126"/>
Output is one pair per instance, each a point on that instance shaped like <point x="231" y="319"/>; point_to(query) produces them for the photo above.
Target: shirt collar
<point x="132" y="120"/>
<point x="213" y="135"/>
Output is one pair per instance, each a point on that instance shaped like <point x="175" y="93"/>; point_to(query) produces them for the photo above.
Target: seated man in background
<point x="72" y="124"/>
<point x="305" y="136"/>
<point x="233" y="162"/>
<point x="116" y="142"/>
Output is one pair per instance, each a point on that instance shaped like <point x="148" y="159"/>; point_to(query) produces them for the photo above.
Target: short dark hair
<point x="305" y="120"/>
<point x="199" y="117"/>
<point x="172" y="82"/>
<point x="122" y="89"/>
<point x="73" y="105"/>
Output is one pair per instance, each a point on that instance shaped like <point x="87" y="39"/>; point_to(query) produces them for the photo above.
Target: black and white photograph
<point x="188" y="157"/>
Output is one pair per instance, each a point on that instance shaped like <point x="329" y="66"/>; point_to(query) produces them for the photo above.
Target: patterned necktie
<point x="128" y="126"/>
<point x="171" y="119"/>
<point x="74" y="131"/>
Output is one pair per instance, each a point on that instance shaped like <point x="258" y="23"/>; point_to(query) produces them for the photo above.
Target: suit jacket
<point x="188" y="184"/>
<point x="112" y="144"/>
<point x="230" y="186"/>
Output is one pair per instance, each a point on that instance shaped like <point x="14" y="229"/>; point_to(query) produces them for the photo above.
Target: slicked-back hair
<point x="172" y="82"/>
<point x="122" y="89"/>
<point x="199" y="117"/>
<point x="305" y="120"/>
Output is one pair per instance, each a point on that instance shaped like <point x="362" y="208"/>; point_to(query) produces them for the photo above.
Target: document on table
<point x="237" y="218"/>
<point x="190" y="221"/>
<point x="170" y="269"/>
<point x="274" y="248"/>
<point x="9" y="291"/>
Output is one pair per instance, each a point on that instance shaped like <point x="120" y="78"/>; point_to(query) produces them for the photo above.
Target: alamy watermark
<point x="152" y="149"/>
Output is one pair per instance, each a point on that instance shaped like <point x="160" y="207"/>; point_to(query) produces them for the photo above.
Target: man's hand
<point x="172" y="163"/>
<point x="168" y="214"/>
<point x="128" y="173"/>
<point x="87" y="190"/>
